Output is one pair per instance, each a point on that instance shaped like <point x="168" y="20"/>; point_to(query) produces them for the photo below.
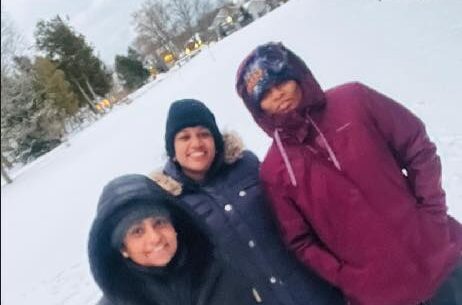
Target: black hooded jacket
<point x="196" y="275"/>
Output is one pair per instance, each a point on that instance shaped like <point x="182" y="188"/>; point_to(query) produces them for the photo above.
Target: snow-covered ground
<point x="408" y="49"/>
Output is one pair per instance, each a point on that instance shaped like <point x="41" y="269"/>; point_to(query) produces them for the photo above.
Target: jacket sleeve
<point x="298" y="235"/>
<point x="406" y="136"/>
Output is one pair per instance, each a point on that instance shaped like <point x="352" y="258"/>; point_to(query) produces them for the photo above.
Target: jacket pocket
<point x="246" y="184"/>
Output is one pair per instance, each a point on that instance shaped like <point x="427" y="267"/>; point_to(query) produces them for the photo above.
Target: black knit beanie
<point x="189" y="113"/>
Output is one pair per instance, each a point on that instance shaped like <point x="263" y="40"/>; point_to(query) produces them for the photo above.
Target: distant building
<point x="229" y="19"/>
<point x="257" y="8"/>
<point x="224" y="22"/>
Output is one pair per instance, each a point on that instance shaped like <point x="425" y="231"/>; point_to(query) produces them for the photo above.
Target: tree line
<point x="47" y="95"/>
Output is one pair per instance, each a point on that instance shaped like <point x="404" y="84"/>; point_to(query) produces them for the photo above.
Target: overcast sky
<point x="106" y="24"/>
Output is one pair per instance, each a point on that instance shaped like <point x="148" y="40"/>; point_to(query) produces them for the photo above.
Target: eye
<point x="136" y="231"/>
<point x="204" y="134"/>
<point x="269" y="93"/>
<point x="183" y="137"/>
<point x="160" y="222"/>
<point x="266" y="94"/>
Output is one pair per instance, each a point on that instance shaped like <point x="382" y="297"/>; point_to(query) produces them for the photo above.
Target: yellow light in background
<point x="168" y="58"/>
<point x="229" y="19"/>
<point x="106" y="103"/>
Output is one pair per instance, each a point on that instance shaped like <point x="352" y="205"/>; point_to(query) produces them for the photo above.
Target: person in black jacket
<point x="147" y="248"/>
<point x="218" y="180"/>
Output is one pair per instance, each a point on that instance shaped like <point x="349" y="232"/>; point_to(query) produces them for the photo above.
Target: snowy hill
<point x="409" y="50"/>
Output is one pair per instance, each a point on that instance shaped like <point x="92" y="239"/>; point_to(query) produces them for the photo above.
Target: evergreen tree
<point x="35" y="119"/>
<point x="18" y="101"/>
<point x="130" y="70"/>
<point x="36" y="101"/>
<point x="50" y="84"/>
<point x="85" y="72"/>
<point x="13" y="93"/>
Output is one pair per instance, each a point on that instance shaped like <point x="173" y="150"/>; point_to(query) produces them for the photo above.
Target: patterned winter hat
<point x="266" y="66"/>
<point x="189" y="113"/>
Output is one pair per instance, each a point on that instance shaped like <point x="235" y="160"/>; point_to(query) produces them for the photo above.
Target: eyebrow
<point x="133" y="227"/>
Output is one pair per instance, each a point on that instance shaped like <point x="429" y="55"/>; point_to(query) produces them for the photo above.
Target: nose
<point x="196" y="141"/>
<point x="153" y="235"/>
<point x="275" y="92"/>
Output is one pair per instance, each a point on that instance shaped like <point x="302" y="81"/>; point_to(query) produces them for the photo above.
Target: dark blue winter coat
<point x="232" y="203"/>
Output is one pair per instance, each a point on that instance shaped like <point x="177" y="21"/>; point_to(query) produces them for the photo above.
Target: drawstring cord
<point x="289" y="168"/>
<point x="323" y="138"/>
<point x="283" y="152"/>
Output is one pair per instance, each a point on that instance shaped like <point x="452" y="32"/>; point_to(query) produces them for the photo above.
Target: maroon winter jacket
<point x="355" y="183"/>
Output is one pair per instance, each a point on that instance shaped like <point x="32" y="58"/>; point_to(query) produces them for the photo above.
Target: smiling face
<point x="194" y="151"/>
<point x="151" y="242"/>
<point x="282" y="98"/>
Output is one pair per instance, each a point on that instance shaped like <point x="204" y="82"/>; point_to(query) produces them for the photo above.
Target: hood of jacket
<point x="115" y="275"/>
<point x="174" y="180"/>
<point x="312" y="97"/>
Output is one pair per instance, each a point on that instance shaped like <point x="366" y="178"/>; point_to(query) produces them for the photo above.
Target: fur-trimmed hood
<point x="233" y="151"/>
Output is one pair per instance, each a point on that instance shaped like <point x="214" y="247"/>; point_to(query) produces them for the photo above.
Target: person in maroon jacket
<point x="355" y="183"/>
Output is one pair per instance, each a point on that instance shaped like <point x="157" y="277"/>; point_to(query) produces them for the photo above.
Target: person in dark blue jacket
<point x="148" y="248"/>
<point x="219" y="180"/>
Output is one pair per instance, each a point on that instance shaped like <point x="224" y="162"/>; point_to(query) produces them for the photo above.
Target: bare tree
<point x="202" y="7"/>
<point x="206" y="13"/>
<point x="10" y="90"/>
<point x="153" y="23"/>
<point x="5" y="174"/>
<point x="185" y="14"/>
<point x="189" y="14"/>
<point x="18" y="102"/>
<point x="11" y="42"/>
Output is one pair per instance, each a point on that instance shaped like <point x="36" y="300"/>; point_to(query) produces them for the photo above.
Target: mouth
<point x="287" y="105"/>
<point x="156" y="250"/>
<point x="159" y="248"/>
<point x="197" y="154"/>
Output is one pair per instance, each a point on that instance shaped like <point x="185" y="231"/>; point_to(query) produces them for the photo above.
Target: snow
<point x="409" y="50"/>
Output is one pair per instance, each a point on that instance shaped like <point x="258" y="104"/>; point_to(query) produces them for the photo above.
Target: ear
<point x="124" y="252"/>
